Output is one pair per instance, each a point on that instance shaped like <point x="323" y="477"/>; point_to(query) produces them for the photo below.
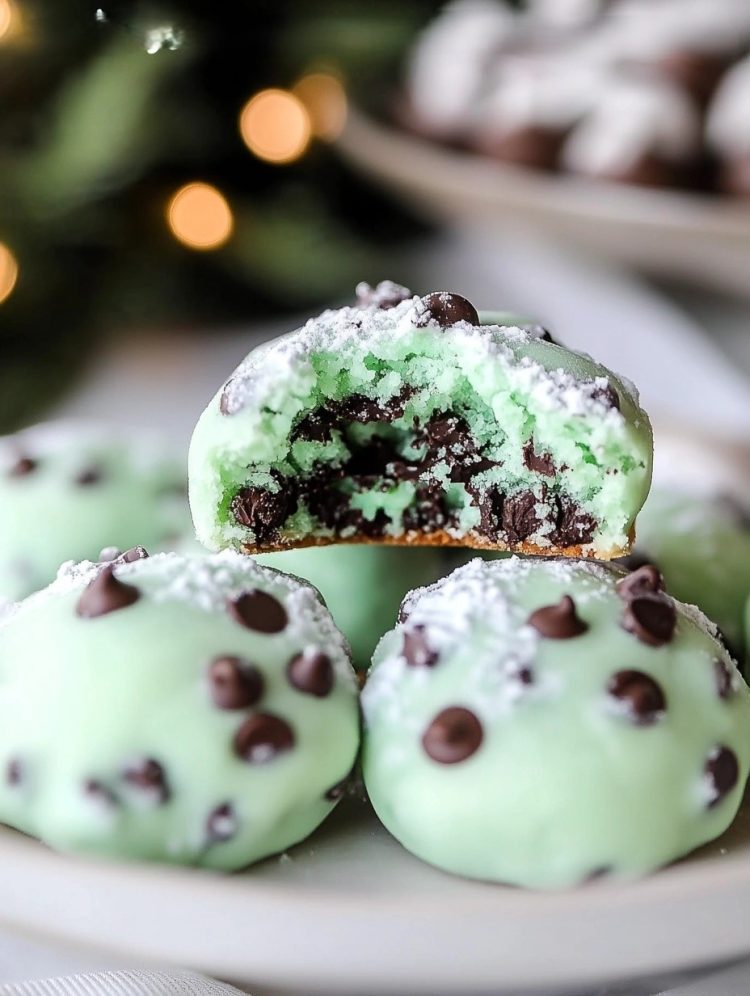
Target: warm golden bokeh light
<point x="200" y="217"/>
<point x="6" y="17"/>
<point x="275" y="126"/>
<point x="8" y="272"/>
<point x="325" y="99"/>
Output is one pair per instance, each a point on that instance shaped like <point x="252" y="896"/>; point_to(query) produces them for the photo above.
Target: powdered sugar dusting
<point x="207" y="584"/>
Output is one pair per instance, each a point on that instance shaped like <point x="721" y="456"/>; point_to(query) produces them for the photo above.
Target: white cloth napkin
<point x="126" y="983"/>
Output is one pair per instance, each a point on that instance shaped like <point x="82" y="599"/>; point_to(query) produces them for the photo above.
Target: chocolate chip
<point x="100" y="794"/>
<point x="262" y="737"/>
<point x="445" y="309"/>
<point x="92" y="475"/>
<point x="573" y="526"/>
<point x="105" y="594"/>
<point x="490" y="501"/>
<point x="447" y="435"/>
<point x="311" y="672"/>
<point x="315" y="427"/>
<point x="264" y="511"/>
<point x="23" y="467"/>
<point x="14" y="771"/>
<point x="259" y="611"/>
<point x="148" y="777"/>
<point x="234" y="682"/>
<point x="429" y="513"/>
<point x="227" y="405"/>
<point x="558" y="622"/>
<point x="222" y="823"/>
<point x="722" y="772"/>
<point x="539" y="463"/>
<point x="519" y="517"/>
<point x="607" y="396"/>
<point x="640" y="696"/>
<point x="525" y="675"/>
<point x="651" y="618"/>
<point x="645" y="580"/>
<point x="134" y="553"/>
<point x="416" y="650"/>
<point x="384" y="295"/>
<point x="453" y="735"/>
<point x="723" y="678"/>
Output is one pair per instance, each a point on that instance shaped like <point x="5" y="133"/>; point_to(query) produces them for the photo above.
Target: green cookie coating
<point x="413" y="423"/>
<point x="363" y="585"/>
<point x="196" y="711"/>
<point x="539" y="750"/>
<point x="702" y="547"/>
<point x="69" y="490"/>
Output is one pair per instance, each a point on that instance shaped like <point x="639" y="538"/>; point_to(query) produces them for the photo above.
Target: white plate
<point x="350" y="911"/>
<point x="694" y="236"/>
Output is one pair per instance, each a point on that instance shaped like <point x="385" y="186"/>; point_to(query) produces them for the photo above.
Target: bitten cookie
<point x="363" y="585"/>
<point x="67" y="490"/>
<point x="201" y="712"/>
<point x="542" y="722"/>
<point x="404" y="420"/>
<point x="701" y="544"/>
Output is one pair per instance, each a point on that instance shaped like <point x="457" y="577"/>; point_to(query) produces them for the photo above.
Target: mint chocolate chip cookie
<point x="405" y="420"/>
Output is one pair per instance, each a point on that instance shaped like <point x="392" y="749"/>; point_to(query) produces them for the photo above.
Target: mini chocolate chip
<point x="445" y="309"/>
<point x="607" y="395"/>
<point x="259" y="611"/>
<point x="312" y="673"/>
<point x="644" y="580"/>
<point x="134" y="553"/>
<point x="384" y="295"/>
<point x="416" y="650"/>
<point x="99" y="793"/>
<point x="105" y="594"/>
<point x="519" y="517"/>
<point x="722" y="771"/>
<point x="222" y="823"/>
<point x="262" y="737"/>
<point x="234" y="682"/>
<point x="723" y="678"/>
<point x="14" y="771"/>
<point x="264" y="511"/>
<point x="558" y="622"/>
<point x="573" y="526"/>
<point x="525" y="675"/>
<point x="149" y="777"/>
<point x="539" y="463"/>
<point x="92" y="475"/>
<point x="651" y="618"/>
<point x="109" y="553"/>
<point x="23" y="467"/>
<point x="453" y="735"/>
<point x="641" y="696"/>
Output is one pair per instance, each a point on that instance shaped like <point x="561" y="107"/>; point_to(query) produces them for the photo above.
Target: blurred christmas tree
<point x="169" y="165"/>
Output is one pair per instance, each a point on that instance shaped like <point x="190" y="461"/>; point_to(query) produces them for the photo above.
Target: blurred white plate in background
<point x="701" y="238"/>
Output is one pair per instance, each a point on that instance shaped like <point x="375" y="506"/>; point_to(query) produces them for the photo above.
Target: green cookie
<point x="538" y="722"/>
<point x="67" y="491"/>
<point x="197" y="711"/>
<point x="405" y="420"/>
<point x="702" y="547"/>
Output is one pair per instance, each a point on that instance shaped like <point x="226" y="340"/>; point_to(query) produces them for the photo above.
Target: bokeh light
<point x="8" y="272"/>
<point x="6" y="17"/>
<point x="199" y="216"/>
<point x="275" y="126"/>
<point x="325" y="99"/>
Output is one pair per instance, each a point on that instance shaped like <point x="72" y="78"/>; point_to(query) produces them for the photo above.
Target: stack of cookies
<point x="538" y="716"/>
